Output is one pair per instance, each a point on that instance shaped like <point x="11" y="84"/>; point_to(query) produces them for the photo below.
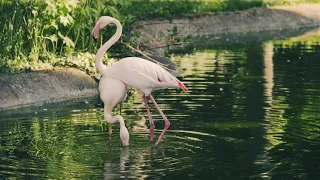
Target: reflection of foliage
<point x="54" y="142"/>
<point x="222" y="118"/>
<point x="308" y="41"/>
<point x="9" y="146"/>
<point x="295" y="110"/>
<point x="62" y="147"/>
<point x="292" y="128"/>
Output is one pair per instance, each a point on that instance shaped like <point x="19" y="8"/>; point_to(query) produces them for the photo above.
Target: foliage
<point x="50" y="31"/>
<point x="43" y="33"/>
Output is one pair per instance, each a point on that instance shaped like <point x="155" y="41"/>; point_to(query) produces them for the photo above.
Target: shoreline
<point x="47" y="86"/>
<point x="41" y="87"/>
<point x="277" y="18"/>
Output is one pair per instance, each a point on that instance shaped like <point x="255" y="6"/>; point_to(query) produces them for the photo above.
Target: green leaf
<point x="73" y="3"/>
<point x="82" y="12"/>
<point x="70" y="19"/>
<point x="53" y="38"/>
<point x="64" y="20"/>
<point x="114" y="11"/>
<point x="67" y="41"/>
<point x="54" y="24"/>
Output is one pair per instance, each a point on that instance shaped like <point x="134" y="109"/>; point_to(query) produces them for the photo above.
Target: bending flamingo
<point x="139" y="73"/>
<point x="113" y="92"/>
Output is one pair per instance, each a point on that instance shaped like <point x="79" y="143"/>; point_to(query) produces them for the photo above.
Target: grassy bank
<point x="43" y="34"/>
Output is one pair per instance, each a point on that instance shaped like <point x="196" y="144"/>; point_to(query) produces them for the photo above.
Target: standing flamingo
<point x="139" y="73"/>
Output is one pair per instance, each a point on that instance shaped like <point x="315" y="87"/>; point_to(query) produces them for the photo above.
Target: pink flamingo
<point x="113" y="92"/>
<point x="135" y="72"/>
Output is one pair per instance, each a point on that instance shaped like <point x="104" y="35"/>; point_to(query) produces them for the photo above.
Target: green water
<point x="252" y="112"/>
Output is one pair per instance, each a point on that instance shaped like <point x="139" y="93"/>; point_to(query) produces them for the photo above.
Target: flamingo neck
<point x="112" y="119"/>
<point x="104" y="48"/>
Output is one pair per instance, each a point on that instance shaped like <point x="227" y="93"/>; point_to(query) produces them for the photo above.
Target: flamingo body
<point x="113" y="92"/>
<point x="143" y="75"/>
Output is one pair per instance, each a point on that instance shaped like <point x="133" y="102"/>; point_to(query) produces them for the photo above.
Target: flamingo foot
<point x="167" y="125"/>
<point x="166" y="121"/>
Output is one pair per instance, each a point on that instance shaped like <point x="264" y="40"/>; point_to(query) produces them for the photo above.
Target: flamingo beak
<point x="95" y="32"/>
<point x="95" y="39"/>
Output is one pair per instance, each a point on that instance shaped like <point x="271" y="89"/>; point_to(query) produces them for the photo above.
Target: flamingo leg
<point x="120" y="109"/>
<point x="166" y="121"/>
<point x="110" y="132"/>
<point x="150" y="118"/>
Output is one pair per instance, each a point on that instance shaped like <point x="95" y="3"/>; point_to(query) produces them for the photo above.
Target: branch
<point x="147" y="55"/>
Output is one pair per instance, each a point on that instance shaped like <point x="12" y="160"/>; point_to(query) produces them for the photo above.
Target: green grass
<point x="167" y="9"/>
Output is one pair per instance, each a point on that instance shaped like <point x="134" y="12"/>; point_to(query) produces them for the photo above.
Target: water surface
<point x="252" y="112"/>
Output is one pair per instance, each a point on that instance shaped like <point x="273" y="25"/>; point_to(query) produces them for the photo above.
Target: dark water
<point x="252" y="113"/>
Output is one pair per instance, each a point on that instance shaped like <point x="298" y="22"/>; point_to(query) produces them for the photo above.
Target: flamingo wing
<point x="143" y="75"/>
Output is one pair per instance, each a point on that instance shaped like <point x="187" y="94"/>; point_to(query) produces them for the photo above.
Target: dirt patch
<point x="159" y="33"/>
<point x="44" y="86"/>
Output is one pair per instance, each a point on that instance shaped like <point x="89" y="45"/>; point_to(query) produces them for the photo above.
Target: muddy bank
<point x="39" y="87"/>
<point x="224" y="40"/>
<point x="159" y="33"/>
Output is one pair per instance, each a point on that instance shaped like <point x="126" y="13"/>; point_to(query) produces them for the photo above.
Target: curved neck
<point x="104" y="48"/>
<point x="112" y="119"/>
<point x="120" y="119"/>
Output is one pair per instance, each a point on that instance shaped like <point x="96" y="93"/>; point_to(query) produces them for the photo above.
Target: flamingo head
<point x="101" y="23"/>
<point x="124" y="136"/>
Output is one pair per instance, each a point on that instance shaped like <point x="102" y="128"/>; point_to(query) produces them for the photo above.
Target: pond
<point x="252" y="112"/>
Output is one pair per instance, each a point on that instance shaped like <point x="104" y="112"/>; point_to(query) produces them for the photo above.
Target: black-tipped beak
<point x="95" y="39"/>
